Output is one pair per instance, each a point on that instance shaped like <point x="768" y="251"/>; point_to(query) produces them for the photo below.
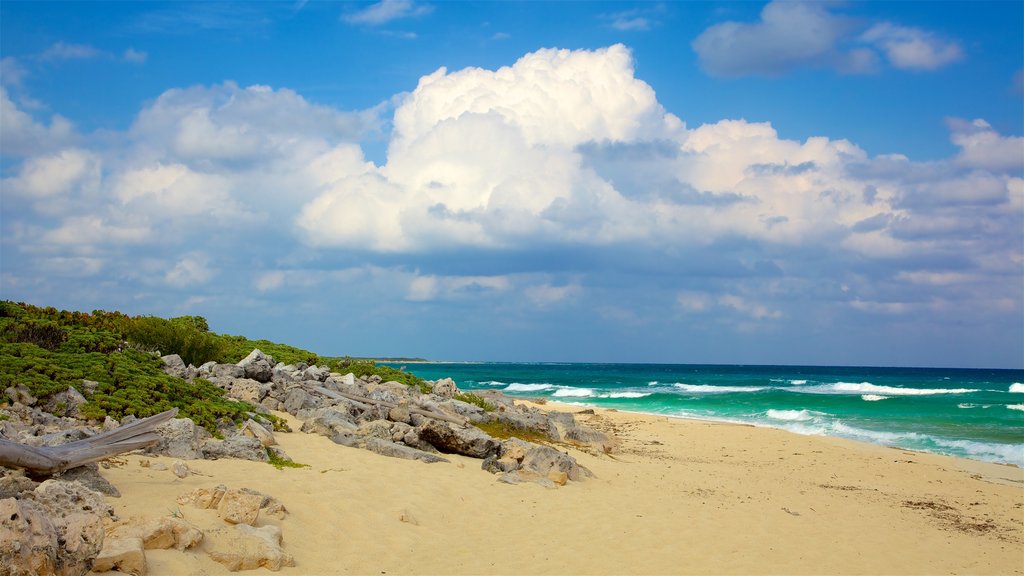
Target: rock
<point x="284" y="376"/>
<point x="180" y="469"/>
<point x="385" y="448"/>
<point x="376" y="428"/>
<point x="347" y="379"/>
<point x="407" y="517"/>
<point x="227" y="371"/>
<point x="240" y="506"/>
<point x="400" y="414"/>
<point x="298" y="399"/>
<point x="240" y="447"/>
<point x="205" y="370"/>
<point x="28" y="541"/>
<point x="256" y="430"/>
<point x="55" y="529"/>
<point x="61" y="437"/>
<point x="578" y="434"/>
<point x="14" y="483"/>
<point x="270" y="404"/>
<point x="89" y="386"/>
<point x="248" y="390"/>
<point x="468" y="441"/>
<point x="445" y="388"/>
<point x="318" y="373"/>
<point x="544" y="460"/>
<point x="242" y="547"/>
<point x="66" y="403"/>
<point x="496" y="465"/>
<point x="20" y="394"/>
<point x="179" y="438"/>
<point x="126" y="555"/>
<point x="89" y="476"/>
<point x="203" y="498"/>
<point x="174" y="365"/>
<point x="279" y="453"/>
<point x="258" y="366"/>
<point x="329" y="421"/>
<point x="157" y="533"/>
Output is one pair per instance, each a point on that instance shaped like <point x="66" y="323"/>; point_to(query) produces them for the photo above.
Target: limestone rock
<point x="256" y="430"/>
<point x="203" y="498"/>
<point x="14" y="483"/>
<point x="89" y="476"/>
<point x="126" y="555"/>
<point x="241" y="447"/>
<point x="180" y="469"/>
<point x="174" y="365"/>
<point x="157" y="533"/>
<point x="179" y="438"/>
<point x="318" y="373"/>
<point x="329" y="421"/>
<point x="545" y="460"/>
<point x="242" y="547"/>
<point x="445" y="388"/>
<point x="258" y="366"/>
<point x="248" y="390"/>
<point x="376" y="428"/>
<point x="66" y="403"/>
<point x="28" y="541"/>
<point x="20" y="395"/>
<point x="240" y="506"/>
<point x="227" y="371"/>
<point x="468" y="441"/>
<point x="298" y="399"/>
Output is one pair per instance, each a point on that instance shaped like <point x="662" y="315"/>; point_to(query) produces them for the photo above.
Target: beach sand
<point x="678" y="497"/>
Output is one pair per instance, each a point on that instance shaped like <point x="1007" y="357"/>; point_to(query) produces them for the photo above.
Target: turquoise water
<point x="975" y="414"/>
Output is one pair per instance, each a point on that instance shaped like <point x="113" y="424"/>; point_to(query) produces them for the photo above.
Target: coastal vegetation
<point x="113" y="359"/>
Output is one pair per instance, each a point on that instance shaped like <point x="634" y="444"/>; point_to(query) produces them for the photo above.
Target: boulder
<point x="205" y="370"/>
<point x="179" y="438"/>
<point x="159" y="533"/>
<point x="240" y="506"/>
<point x="227" y="371"/>
<point x="20" y="394"/>
<point x="240" y="447"/>
<point x="89" y="476"/>
<point x="545" y="460"/>
<point x="256" y="430"/>
<point x="468" y="441"/>
<point x="126" y="555"/>
<point x="174" y="365"/>
<point x="66" y="403"/>
<point x="180" y="469"/>
<point x="242" y="547"/>
<point x="89" y="387"/>
<point x="14" y="483"/>
<point x="248" y="390"/>
<point x="28" y="540"/>
<point x="203" y="498"/>
<point x="329" y="421"/>
<point x="317" y="373"/>
<point x="376" y="429"/>
<point x="445" y="388"/>
<point x="258" y="366"/>
<point x="298" y="399"/>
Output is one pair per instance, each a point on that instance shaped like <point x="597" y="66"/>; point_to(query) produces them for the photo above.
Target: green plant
<point x="475" y="399"/>
<point x="282" y="463"/>
<point x="364" y="368"/>
<point x="503" y="430"/>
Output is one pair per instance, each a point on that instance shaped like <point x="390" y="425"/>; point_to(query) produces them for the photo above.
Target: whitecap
<point x="708" y="389"/>
<point x="1015" y="406"/>
<point x="790" y="415"/>
<point x="492" y="383"/>
<point x="966" y="405"/>
<point x="625" y="395"/>
<point x="874" y="389"/>
<point x="573" y="392"/>
<point x="1017" y="387"/>
<point x="652" y="383"/>
<point x="798" y="382"/>
<point x="872" y="397"/>
<point x="517" y="387"/>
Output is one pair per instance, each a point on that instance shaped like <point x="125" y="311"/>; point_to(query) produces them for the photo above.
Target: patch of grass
<point x="364" y="368"/>
<point x="476" y="400"/>
<point x="503" y="431"/>
<point x="282" y="463"/>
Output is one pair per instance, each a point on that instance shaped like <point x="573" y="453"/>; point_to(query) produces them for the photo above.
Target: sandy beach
<point x="677" y="497"/>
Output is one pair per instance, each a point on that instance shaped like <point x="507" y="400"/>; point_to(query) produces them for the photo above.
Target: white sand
<point x="680" y="497"/>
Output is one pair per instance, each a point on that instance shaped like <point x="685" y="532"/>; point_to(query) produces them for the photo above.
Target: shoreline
<point x="678" y="496"/>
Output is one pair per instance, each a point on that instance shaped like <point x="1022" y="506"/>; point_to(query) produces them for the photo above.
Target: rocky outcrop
<point x="243" y="547"/>
<point x="126" y="555"/>
<point x="468" y="441"/>
<point x="240" y="447"/>
<point x="179" y="438"/>
<point x="258" y="366"/>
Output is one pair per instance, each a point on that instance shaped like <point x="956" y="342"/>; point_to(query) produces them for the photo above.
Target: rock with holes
<point x="243" y="547"/>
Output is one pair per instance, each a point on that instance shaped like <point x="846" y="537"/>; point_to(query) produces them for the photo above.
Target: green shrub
<point x="364" y="368"/>
<point x="475" y="399"/>
<point x="185" y="336"/>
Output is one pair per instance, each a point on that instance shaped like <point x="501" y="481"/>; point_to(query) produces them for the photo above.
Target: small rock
<point x="126" y="555"/>
<point x="157" y="533"/>
<point x="240" y="506"/>
<point x="408" y="518"/>
<point x="242" y="547"/>
<point x="180" y="469"/>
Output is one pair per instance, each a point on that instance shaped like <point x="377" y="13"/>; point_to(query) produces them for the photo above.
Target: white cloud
<point x="982" y="147"/>
<point x="190" y="271"/>
<point x="43" y="177"/>
<point x="135" y="56"/>
<point x="387" y="11"/>
<point x="70" y="51"/>
<point x="912" y="48"/>
<point x="791" y="35"/>
<point x="545" y="295"/>
<point x="12" y="72"/>
<point x="21" y="135"/>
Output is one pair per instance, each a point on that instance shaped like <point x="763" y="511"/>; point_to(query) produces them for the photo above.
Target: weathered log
<point x="50" y="460"/>
<point x="412" y="410"/>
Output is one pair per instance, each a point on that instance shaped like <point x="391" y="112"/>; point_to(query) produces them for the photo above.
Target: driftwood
<point x="427" y="413"/>
<point x="53" y="459"/>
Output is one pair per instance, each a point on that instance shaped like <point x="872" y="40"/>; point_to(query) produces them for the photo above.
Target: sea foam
<point x="573" y="392"/>
<point x="708" y="389"/>
<point x="517" y="387"/>
<point x="874" y="389"/>
<point x="1017" y="387"/>
<point x="1015" y="406"/>
<point x="872" y="397"/>
<point x="790" y="415"/>
<point x="626" y="395"/>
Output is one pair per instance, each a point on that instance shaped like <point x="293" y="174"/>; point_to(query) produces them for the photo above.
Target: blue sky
<point x="813" y="183"/>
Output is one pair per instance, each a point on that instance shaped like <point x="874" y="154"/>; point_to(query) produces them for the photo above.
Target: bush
<point x="185" y="336"/>
<point x="476" y="400"/>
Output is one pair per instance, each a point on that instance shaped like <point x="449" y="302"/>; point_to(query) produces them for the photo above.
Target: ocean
<point x="976" y="414"/>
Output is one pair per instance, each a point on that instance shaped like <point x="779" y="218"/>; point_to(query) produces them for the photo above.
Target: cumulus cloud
<point x="912" y="48"/>
<point x="792" y="35"/>
<point x="70" y="51"/>
<point x="557" y="183"/>
<point x="386" y="11"/>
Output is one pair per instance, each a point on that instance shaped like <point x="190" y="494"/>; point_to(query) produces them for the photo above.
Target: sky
<point x="823" y="183"/>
